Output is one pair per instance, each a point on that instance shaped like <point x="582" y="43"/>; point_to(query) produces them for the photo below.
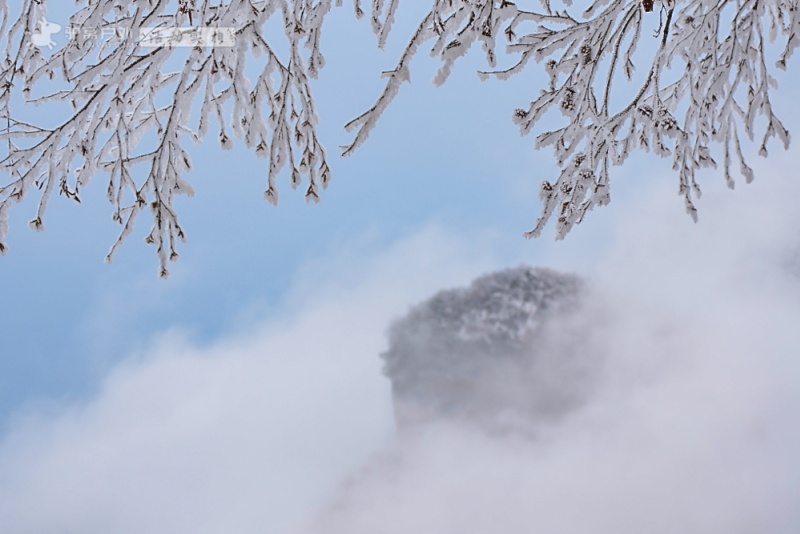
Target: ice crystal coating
<point x="704" y="91"/>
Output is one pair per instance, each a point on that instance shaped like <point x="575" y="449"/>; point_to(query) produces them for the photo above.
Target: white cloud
<point x="694" y="427"/>
<point x="247" y="435"/>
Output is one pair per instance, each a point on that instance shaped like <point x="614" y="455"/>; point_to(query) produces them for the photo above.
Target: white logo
<point x="43" y="38"/>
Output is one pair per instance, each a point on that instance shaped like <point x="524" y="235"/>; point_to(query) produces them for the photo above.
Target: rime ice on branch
<point x="132" y="112"/>
<point x="706" y="83"/>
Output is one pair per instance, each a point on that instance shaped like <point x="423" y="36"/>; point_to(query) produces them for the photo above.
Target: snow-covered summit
<point x="477" y="353"/>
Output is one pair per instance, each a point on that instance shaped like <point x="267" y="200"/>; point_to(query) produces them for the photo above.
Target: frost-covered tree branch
<point x="134" y="106"/>
<point x="690" y="91"/>
<point x="706" y="82"/>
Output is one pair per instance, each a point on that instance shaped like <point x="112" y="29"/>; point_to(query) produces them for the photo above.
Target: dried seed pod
<point x="586" y="52"/>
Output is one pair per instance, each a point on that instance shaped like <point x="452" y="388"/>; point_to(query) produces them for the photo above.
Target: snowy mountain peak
<point x="474" y="353"/>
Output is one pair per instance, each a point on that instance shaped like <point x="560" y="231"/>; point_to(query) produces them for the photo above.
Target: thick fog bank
<point x="687" y="407"/>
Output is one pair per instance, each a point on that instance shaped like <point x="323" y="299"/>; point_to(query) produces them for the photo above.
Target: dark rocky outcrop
<point x="489" y="353"/>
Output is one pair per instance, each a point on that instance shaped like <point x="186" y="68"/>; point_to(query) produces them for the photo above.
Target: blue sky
<point x="447" y="156"/>
<point x="272" y="319"/>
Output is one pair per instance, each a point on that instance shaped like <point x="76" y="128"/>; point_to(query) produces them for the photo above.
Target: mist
<point x="251" y="433"/>
<point x="690" y="422"/>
